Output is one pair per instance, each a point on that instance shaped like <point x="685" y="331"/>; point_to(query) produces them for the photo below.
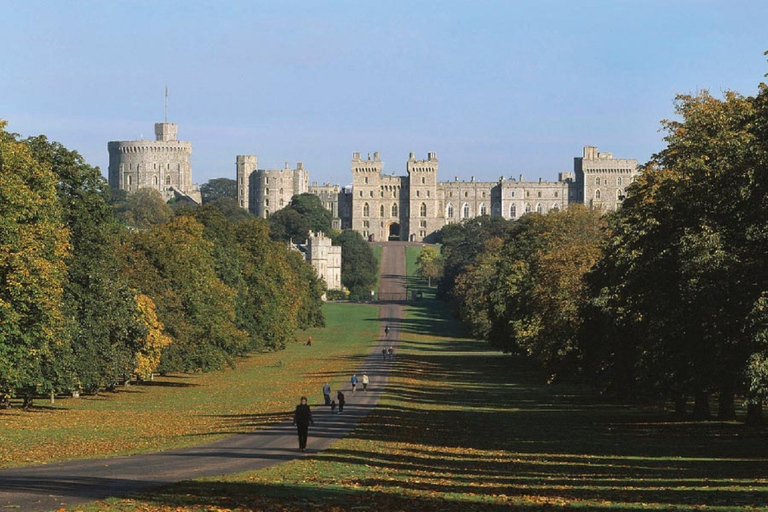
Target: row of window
<point x="128" y="180"/>
<point x="619" y="194"/>
<point x="619" y="181"/>
<point x="154" y="167"/>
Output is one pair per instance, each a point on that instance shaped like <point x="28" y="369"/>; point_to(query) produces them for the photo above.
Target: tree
<point x="430" y="264"/>
<point x="359" y="267"/>
<point x="34" y="244"/>
<point x="145" y="208"/>
<point x="151" y="348"/>
<point x="311" y="208"/>
<point x="174" y="265"/>
<point x="288" y="225"/>
<point x="105" y="331"/>
<point x="218" y="188"/>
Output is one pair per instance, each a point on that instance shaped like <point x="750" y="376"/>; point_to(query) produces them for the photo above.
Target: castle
<point x="161" y="164"/>
<point x="413" y="207"/>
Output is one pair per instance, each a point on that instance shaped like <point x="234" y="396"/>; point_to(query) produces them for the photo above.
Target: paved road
<point x="67" y="484"/>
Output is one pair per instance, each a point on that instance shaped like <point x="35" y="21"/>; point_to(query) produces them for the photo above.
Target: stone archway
<point x="393" y="231"/>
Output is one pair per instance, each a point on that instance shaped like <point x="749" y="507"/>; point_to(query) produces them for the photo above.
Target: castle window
<point x="527" y="193"/>
<point x="483" y="209"/>
<point x="513" y="212"/>
<point x="512" y="194"/>
<point x="155" y="180"/>
<point x="282" y="203"/>
<point x="366" y="210"/>
<point x="281" y="191"/>
<point x="130" y="179"/>
<point x="605" y="182"/>
<point x="266" y="214"/>
<point x="539" y="208"/>
<point x="556" y="192"/>
<point x="619" y="195"/>
<point x="361" y="193"/>
<point x="483" y="193"/>
<point x="423" y="210"/>
<point x="381" y="211"/>
<point x="366" y="180"/>
<point x="366" y="224"/>
<point x="168" y="180"/>
<point x="370" y="193"/>
<point x="266" y="202"/>
<point x="423" y="180"/>
<point x="449" y="211"/>
<point x="555" y="207"/>
<point x="394" y="210"/>
<point x="597" y="194"/>
<point x="465" y="211"/>
<point x="266" y="191"/>
<point x="618" y="181"/>
<point x="597" y="181"/>
<point x="527" y="208"/>
<point x="466" y="194"/>
<point x="381" y="192"/>
<point x="266" y="180"/>
<point x="418" y="193"/>
<point x="422" y="223"/>
<point x="539" y="194"/>
<point x="427" y="193"/>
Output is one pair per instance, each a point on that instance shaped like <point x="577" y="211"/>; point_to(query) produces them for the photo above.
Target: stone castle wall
<point x="386" y="206"/>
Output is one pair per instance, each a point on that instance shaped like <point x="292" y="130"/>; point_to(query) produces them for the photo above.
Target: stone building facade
<point x="389" y="207"/>
<point x="326" y="258"/>
<point x="162" y="164"/>
<point x="264" y="191"/>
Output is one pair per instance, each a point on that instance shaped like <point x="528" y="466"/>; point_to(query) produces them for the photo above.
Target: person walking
<point x="353" y="380"/>
<point x="340" y="398"/>
<point x="365" y="382"/>
<point x="386" y="331"/>
<point x="384" y="354"/>
<point x="327" y="393"/>
<point x="302" y="418"/>
<point x="309" y="341"/>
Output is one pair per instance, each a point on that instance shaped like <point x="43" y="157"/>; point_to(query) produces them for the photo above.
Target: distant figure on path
<point x="309" y="341"/>
<point x="384" y="354"/>
<point x="386" y="331"/>
<point x="302" y="418"/>
<point x="391" y="353"/>
<point x="327" y="393"/>
<point x="340" y="398"/>
<point x="353" y="380"/>
<point x="365" y="382"/>
<point x="333" y="407"/>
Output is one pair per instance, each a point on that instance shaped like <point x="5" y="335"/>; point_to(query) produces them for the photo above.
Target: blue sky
<point x="496" y="88"/>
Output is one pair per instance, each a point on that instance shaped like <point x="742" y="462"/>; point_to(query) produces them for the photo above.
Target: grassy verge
<point x="462" y="429"/>
<point x="183" y="410"/>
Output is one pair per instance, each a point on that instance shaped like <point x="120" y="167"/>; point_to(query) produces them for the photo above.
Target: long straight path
<point x="70" y="483"/>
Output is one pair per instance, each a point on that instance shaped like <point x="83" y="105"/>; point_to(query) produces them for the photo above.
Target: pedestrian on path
<point x="353" y="380"/>
<point x="386" y="331"/>
<point x="302" y="418"/>
<point x="384" y="353"/>
<point x="365" y="382"/>
<point x="327" y="393"/>
<point x="340" y="398"/>
<point x="391" y="353"/>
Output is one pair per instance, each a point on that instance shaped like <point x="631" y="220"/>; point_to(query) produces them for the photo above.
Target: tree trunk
<point x="755" y="413"/>
<point x="680" y="405"/>
<point x="726" y="404"/>
<point x="701" y="406"/>
<point x="27" y="402"/>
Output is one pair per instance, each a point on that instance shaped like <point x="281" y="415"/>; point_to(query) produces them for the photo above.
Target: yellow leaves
<point x="148" y="357"/>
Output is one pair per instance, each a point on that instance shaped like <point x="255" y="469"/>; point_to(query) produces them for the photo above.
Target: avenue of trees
<point x="667" y="298"/>
<point x="97" y="288"/>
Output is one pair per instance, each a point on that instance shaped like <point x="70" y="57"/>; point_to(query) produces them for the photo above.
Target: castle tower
<point x="602" y="179"/>
<point x="366" y="195"/>
<point x="246" y="166"/>
<point x="424" y="214"/>
<point x="162" y="164"/>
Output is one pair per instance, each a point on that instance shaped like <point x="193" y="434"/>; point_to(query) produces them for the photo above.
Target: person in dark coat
<point x="302" y="418"/>
<point x="340" y="398"/>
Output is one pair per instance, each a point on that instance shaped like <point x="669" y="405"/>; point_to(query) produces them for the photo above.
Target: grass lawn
<point x="183" y="410"/>
<point x="463" y="429"/>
